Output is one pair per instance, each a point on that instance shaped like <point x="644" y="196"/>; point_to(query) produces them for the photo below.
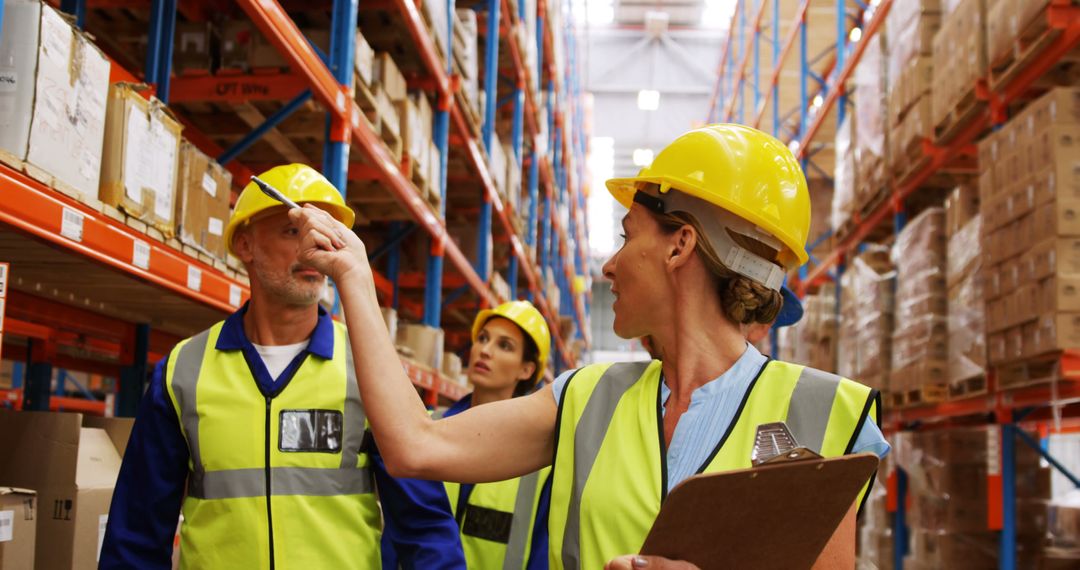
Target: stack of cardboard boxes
<point x="1030" y="203"/>
<point x="959" y="55"/>
<point x="1063" y="545"/>
<point x="948" y="488"/>
<point x="812" y="340"/>
<point x="964" y="279"/>
<point x="871" y="136"/>
<point x="866" y="322"/>
<point x="909" y="29"/>
<point x="919" y="346"/>
<point x="1005" y="20"/>
<point x="71" y="462"/>
<point x="467" y="57"/>
<point x="843" y="199"/>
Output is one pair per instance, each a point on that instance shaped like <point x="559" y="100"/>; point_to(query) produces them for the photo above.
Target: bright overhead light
<point x="648" y="100"/>
<point x="855" y="35"/>
<point x="643" y="157"/>
<point x="818" y="101"/>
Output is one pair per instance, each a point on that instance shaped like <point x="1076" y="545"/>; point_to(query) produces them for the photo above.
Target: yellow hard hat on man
<point x="738" y="169"/>
<point x="524" y="315"/>
<point x="298" y="182"/>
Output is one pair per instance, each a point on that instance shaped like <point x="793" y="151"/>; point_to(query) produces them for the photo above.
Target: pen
<point x="273" y="192"/>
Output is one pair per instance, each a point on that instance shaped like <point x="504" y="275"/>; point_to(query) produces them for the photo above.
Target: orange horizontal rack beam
<point x="31" y="207"/>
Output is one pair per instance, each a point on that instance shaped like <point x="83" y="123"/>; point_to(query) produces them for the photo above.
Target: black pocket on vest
<point x="310" y="430"/>
<point x="488" y="524"/>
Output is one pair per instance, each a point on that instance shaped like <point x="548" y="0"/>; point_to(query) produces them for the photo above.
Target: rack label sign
<point x="140" y="256"/>
<point x="194" y="278"/>
<point x="71" y="225"/>
<point x="234" y="294"/>
<point x="4" y="278"/>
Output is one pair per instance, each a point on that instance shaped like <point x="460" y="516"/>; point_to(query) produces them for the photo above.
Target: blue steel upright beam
<point x="491" y="94"/>
<point x="1007" y="539"/>
<point x="441" y="134"/>
<point x="76" y="8"/>
<point x="804" y="72"/>
<point x="516" y="141"/>
<point x="269" y="124"/>
<point x="900" y="529"/>
<point x="775" y="63"/>
<point x="534" y="203"/>
<point x="159" y="45"/>
<point x="133" y="377"/>
<point x="742" y="56"/>
<point x="841" y="45"/>
<point x="342" y="49"/>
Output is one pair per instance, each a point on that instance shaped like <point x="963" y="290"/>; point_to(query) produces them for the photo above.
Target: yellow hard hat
<point x="741" y="170"/>
<point x="298" y="182"/>
<point x="524" y="315"/>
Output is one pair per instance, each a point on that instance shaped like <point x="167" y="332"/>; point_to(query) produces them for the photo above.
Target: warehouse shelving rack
<point x="180" y="294"/>
<point x="1044" y="408"/>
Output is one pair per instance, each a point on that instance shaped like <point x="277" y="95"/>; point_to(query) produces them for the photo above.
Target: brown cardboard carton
<point x="425" y="342"/>
<point x="364" y="60"/>
<point x="192" y="51"/>
<point x="451" y="366"/>
<point x="1052" y="256"/>
<point x="74" y="468"/>
<point x="265" y="54"/>
<point x="1057" y="331"/>
<point x="204" y="188"/>
<point x="389" y="77"/>
<point x="18" y="528"/>
<point x="140" y="159"/>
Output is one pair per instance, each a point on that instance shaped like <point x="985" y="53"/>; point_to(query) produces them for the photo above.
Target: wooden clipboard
<point x="771" y="516"/>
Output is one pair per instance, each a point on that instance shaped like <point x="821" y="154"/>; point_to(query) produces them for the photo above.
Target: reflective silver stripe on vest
<point x="354" y="426"/>
<point x="519" y="527"/>
<point x="811" y="407"/>
<point x="186" y="371"/>
<point x="241" y="483"/>
<point x="588" y="437"/>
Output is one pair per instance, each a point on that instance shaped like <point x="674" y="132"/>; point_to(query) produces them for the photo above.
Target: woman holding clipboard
<point x="713" y="224"/>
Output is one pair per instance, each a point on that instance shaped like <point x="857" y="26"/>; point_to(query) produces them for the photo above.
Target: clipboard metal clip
<point x="775" y="444"/>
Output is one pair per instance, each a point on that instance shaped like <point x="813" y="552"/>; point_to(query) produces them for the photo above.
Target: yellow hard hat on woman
<point x="751" y="181"/>
<point x="526" y="316"/>
<point x="298" y="182"/>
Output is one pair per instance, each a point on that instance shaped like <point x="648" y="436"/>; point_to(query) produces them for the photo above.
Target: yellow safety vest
<point x="610" y="470"/>
<point x="497" y="523"/>
<point x="274" y="481"/>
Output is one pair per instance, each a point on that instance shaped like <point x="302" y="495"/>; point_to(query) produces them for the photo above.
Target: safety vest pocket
<point x="488" y="524"/>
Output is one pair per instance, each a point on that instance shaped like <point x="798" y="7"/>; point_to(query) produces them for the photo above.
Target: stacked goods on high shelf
<point x="866" y="318"/>
<point x="947" y="498"/>
<point x="242" y="47"/>
<point x="141" y="158"/>
<point x="812" y="340"/>
<point x="964" y="279"/>
<point x="467" y="58"/>
<point x="919" y="351"/>
<point x="843" y="200"/>
<point x="1063" y="544"/>
<point x="959" y="62"/>
<point x="874" y="541"/>
<point x="1030" y="204"/>
<point x="1015" y="34"/>
<point x="202" y="206"/>
<point x="52" y="112"/>
<point x="871" y="140"/>
<point x="421" y="344"/>
<point x="909" y="28"/>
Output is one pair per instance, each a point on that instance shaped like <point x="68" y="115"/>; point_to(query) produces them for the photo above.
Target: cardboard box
<point x="237" y="37"/>
<point x="451" y="366"/>
<point x="73" y="462"/>
<point x="959" y="54"/>
<point x="204" y="188"/>
<point x="52" y="108"/>
<point x="390" y="78"/>
<point x="425" y="342"/>
<point x="18" y="528"/>
<point x="192" y="51"/>
<point x="364" y="60"/>
<point x="141" y="158"/>
<point x="264" y="54"/>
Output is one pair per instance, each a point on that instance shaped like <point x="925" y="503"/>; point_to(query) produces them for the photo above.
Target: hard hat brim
<point x="343" y="214"/>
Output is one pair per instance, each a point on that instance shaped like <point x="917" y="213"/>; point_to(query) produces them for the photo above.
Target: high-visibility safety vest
<point x="610" y="470"/>
<point x="275" y="481"/>
<point x="496" y="522"/>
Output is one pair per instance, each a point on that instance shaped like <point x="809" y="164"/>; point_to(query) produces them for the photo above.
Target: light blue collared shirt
<point x="713" y="407"/>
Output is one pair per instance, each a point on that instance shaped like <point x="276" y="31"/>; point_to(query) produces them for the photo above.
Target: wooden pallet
<point x="1028" y="44"/>
<point x="968" y="387"/>
<point x="1042" y="369"/>
<point x="959" y="117"/>
<point x="926" y="395"/>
